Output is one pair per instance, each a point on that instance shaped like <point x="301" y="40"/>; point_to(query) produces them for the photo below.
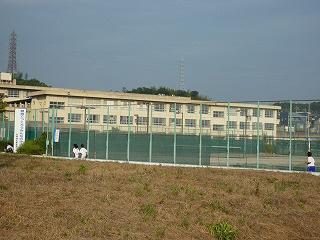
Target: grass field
<point x="72" y="199"/>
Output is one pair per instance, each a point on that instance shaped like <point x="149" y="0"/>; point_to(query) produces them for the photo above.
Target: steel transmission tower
<point x="12" y="59"/>
<point x="181" y="79"/>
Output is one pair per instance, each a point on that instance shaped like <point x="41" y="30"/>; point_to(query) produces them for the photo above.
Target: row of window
<point x="112" y="119"/>
<point x="190" y="109"/>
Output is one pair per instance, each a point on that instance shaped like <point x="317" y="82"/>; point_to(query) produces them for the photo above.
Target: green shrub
<point x="30" y="147"/>
<point x="42" y="142"/>
<point x="34" y="147"/>
<point x="224" y="231"/>
<point x="269" y="148"/>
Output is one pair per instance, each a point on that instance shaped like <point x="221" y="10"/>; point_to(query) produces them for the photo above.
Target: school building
<point x="140" y="112"/>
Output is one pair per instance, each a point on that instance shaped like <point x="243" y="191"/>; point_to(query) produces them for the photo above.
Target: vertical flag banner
<point x="19" y="127"/>
<point x="56" y="135"/>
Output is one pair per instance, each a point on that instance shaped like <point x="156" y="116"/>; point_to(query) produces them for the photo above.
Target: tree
<point x="169" y="92"/>
<point x="3" y="104"/>
<point x="30" y="82"/>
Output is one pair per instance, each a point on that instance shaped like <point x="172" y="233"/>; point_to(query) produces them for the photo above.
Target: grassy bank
<point x="69" y="199"/>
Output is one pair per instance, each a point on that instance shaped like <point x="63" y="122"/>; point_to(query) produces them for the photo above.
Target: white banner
<point x="19" y="127"/>
<point x="56" y="135"/>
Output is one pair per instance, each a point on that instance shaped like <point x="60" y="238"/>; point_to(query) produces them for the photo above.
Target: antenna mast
<point x="181" y="80"/>
<point x="12" y="59"/>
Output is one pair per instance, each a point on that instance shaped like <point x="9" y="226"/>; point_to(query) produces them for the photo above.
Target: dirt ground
<point x="72" y="199"/>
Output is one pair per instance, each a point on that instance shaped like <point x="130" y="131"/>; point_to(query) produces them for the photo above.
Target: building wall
<point x="214" y="114"/>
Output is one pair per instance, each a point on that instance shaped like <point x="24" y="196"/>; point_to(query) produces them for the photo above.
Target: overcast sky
<point x="233" y="49"/>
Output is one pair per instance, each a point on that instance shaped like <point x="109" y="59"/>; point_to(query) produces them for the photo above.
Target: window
<point x="255" y="112"/>
<point x="205" y="123"/>
<point x="190" y="122"/>
<point x="59" y="105"/>
<point x="244" y="125"/>
<point x="178" y="108"/>
<point x="112" y="119"/>
<point x="110" y="104"/>
<point x="13" y="93"/>
<point x="268" y="126"/>
<point x="125" y="105"/>
<point x="232" y="125"/>
<point x="75" y="101"/>
<point x="269" y="113"/>
<point x="255" y="126"/>
<point x="205" y="109"/>
<point x="142" y="121"/>
<point x="57" y="119"/>
<point x="94" y="118"/>
<point x="74" y="117"/>
<point x="218" y="114"/>
<point x="159" y="121"/>
<point x="191" y="109"/>
<point x="178" y="122"/>
<point x="244" y="112"/>
<point x="217" y="127"/>
<point x="125" y="120"/>
<point x="142" y="106"/>
<point x="159" y="107"/>
<point x="95" y="103"/>
<point x="233" y="111"/>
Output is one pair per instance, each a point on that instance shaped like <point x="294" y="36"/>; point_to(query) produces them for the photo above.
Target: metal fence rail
<point x="146" y="139"/>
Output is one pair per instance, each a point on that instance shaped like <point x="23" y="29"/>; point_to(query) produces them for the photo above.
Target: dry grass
<point x="69" y="199"/>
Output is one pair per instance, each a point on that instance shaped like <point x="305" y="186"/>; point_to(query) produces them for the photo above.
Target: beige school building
<point x="140" y="112"/>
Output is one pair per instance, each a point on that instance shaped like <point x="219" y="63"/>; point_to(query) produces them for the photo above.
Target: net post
<point x="47" y="139"/>
<point x="228" y="136"/>
<point x="258" y="135"/>
<point x="88" y="131"/>
<point x="35" y="124"/>
<point x="129" y="121"/>
<point x="290" y="141"/>
<point x="70" y="129"/>
<point x="175" y="135"/>
<point x="200" y="137"/>
<point x="52" y="120"/>
<point x="107" y="141"/>
<point x="150" y="128"/>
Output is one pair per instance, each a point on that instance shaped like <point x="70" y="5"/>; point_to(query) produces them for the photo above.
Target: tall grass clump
<point x="224" y="231"/>
<point x="34" y="147"/>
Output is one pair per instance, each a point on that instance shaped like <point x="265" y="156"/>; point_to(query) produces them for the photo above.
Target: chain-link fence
<point x="252" y="135"/>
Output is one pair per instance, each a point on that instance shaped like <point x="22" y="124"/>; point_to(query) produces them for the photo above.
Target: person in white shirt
<point x="310" y="162"/>
<point x="9" y="148"/>
<point x="83" y="152"/>
<point x="76" y="151"/>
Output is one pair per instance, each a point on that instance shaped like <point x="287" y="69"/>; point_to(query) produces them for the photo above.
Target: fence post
<point x="28" y="129"/>
<point x="88" y="131"/>
<point x="200" y="136"/>
<point x="290" y="133"/>
<point x="3" y="128"/>
<point x="228" y="137"/>
<point x="42" y="120"/>
<point x="47" y="139"/>
<point x="129" y="124"/>
<point x="150" y="128"/>
<point x="258" y="135"/>
<point x="175" y="135"/>
<point x="52" y="134"/>
<point x="107" y="142"/>
<point x="35" y="124"/>
<point x="8" y="137"/>
<point x="70" y="129"/>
